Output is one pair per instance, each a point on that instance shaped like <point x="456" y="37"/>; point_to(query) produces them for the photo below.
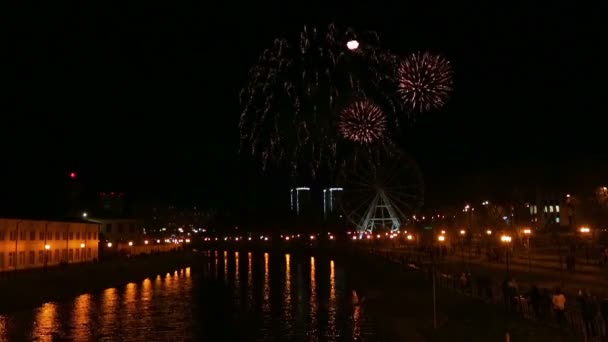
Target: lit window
<point x="535" y="209"/>
<point x="557" y="208"/>
<point x="545" y="208"/>
<point x="557" y="220"/>
<point x="550" y="208"/>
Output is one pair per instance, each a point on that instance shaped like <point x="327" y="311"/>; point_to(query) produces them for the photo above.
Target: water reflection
<point x="314" y="306"/>
<point x="81" y="317"/>
<point x="217" y="260"/>
<point x="46" y="324"/>
<point x="226" y="266"/>
<point x="287" y="300"/>
<point x="236" y="269"/>
<point x="182" y="305"/>
<point x="331" y="322"/>
<point x="3" y="328"/>
<point x="109" y="308"/>
<point x="249" y="280"/>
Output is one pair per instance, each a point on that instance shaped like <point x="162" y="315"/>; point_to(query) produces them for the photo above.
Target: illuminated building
<point x="26" y="244"/>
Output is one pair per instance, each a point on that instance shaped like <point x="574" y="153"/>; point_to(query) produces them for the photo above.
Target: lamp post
<point x="506" y="239"/>
<point x="527" y="233"/>
<point x="440" y="239"/>
<point x="47" y="248"/>
<point x="585" y="232"/>
<point x="463" y="233"/>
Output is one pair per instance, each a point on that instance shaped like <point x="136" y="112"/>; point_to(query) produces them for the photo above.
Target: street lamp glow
<point x="441" y="238"/>
<point x="146" y="242"/>
<point x="331" y="237"/>
<point x="130" y="243"/>
<point x="489" y="232"/>
<point x="443" y="232"/>
<point x="84" y="214"/>
<point x="312" y="237"/>
<point x="585" y="230"/>
<point x="109" y="245"/>
<point x="82" y="245"/>
<point x="505" y="238"/>
<point x="352" y="44"/>
<point x="410" y="237"/>
<point x="462" y="232"/>
<point x="47" y="247"/>
<point x="527" y="231"/>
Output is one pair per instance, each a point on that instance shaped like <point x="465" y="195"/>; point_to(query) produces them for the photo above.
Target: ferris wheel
<point x="382" y="192"/>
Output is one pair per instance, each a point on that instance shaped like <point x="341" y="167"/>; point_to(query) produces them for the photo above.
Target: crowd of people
<point x="587" y="312"/>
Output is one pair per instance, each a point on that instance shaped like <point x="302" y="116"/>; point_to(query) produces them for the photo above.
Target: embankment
<point x="27" y="289"/>
<point x="400" y="303"/>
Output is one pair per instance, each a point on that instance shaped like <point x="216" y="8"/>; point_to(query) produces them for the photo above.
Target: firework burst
<point x="425" y="81"/>
<point x="290" y="105"/>
<point x="362" y="122"/>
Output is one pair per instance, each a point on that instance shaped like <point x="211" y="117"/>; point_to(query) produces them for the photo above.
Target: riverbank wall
<point x="27" y="289"/>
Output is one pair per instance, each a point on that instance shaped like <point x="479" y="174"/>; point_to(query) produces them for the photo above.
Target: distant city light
<point x="73" y="175"/>
<point x="84" y="215"/>
<point x="130" y="243"/>
<point x="109" y="244"/>
<point x="505" y="238"/>
<point x="441" y="238"/>
<point x="145" y="242"/>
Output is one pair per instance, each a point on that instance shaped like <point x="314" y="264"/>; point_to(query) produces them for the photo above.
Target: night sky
<point x="142" y="97"/>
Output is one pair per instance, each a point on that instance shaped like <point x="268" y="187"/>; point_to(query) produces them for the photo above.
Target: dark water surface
<point x="235" y="296"/>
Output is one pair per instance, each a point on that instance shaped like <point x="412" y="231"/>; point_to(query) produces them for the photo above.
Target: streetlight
<point x="109" y="245"/>
<point x="84" y="214"/>
<point x="462" y="234"/>
<point x="352" y="44"/>
<point x="46" y="256"/>
<point x="506" y="239"/>
<point x="585" y="232"/>
<point x="527" y="233"/>
<point x="145" y="242"/>
<point x="130" y="243"/>
<point x="82" y="245"/>
<point x="440" y="238"/>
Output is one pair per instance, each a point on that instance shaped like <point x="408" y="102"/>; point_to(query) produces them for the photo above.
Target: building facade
<point x="120" y="230"/>
<point x="26" y="244"/>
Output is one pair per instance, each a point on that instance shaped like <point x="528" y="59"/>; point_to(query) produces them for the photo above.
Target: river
<point x="233" y="296"/>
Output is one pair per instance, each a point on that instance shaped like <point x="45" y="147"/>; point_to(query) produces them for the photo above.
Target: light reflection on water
<point x="285" y="297"/>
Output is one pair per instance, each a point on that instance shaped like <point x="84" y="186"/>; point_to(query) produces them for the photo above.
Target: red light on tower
<point x="73" y="175"/>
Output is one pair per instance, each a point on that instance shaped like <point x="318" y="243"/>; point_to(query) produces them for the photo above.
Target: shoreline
<point x="29" y="289"/>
